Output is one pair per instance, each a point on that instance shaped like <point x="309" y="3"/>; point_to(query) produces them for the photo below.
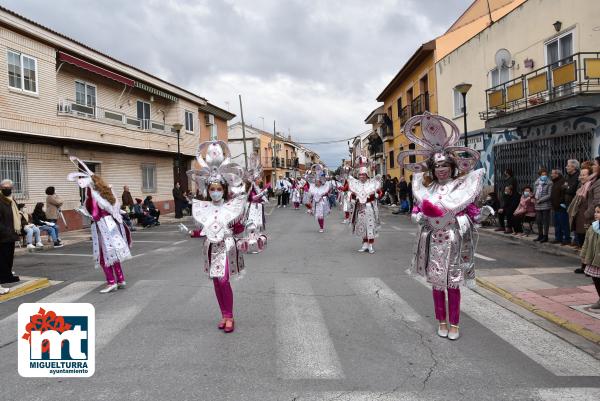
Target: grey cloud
<point x="336" y="55"/>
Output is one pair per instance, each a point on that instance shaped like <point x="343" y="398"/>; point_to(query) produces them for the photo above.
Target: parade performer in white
<point x="445" y="188"/>
<point x="364" y="192"/>
<point x="221" y="219"/>
<point x="111" y="238"/>
<point x="318" y="201"/>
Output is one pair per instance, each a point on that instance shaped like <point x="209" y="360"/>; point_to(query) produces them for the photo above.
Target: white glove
<point x="183" y="228"/>
<point x="418" y="218"/>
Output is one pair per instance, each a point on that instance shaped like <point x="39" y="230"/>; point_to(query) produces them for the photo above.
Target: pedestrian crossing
<point x="305" y="349"/>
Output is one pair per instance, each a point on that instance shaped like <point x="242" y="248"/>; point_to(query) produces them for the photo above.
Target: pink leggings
<point x="346" y="215"/>
<point x="439" y="302"/>
<point x="321" y="222"/>
<point x="224" y="293"/>
<point x="108" y="272"/>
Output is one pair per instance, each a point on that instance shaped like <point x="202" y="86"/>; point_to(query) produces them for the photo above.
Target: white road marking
<point x="382" y="301"/>
<point x="110" y="321"/>
<point x="68" y="254"/>
<point x="180" y="242"/>
<point x="541" y="346"/>
<point x="69" y="293"/>
<point x="480" y="256"/>
<point x="304" y="347"/>
<point x="569" y="394"/>
<point x="138" y="255"/>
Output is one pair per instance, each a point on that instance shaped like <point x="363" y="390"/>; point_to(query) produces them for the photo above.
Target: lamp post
<point x="178" y="127"/>
<point x="463" y="89"/>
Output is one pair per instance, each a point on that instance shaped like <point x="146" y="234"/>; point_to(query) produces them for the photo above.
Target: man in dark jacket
<point x="571" y="181"/>
<point x="180" y="200"/>
<point x="127" y="198"/>
<point x="10" y="226"/>
<point x="510" y="180"/>
<point x="562" y="234"/>
<point x="510" y="202"/>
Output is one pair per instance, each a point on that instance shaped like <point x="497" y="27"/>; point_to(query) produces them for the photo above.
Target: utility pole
<point x="243" y="133"/>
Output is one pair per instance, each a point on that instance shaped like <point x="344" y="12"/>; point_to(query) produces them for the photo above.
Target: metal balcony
<point x="567" y="88"/>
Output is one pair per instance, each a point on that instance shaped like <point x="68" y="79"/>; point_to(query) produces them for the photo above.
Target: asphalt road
<point x="315" y="320"/>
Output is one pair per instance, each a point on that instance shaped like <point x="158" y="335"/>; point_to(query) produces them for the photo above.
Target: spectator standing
<point x="29" y="229"/>
<point x="279" y="191"/>
<point x="543" y="204"/>
<point x="578" y="206"/>
<point x="403" y="202"/>
<point x="590" y="254"/>
<point x="53" y="205"/>
<point x="40" y="219"/>
<point x="562" y="234"/>
<point x="179" y="200"/>
<point x="525" y="211"/>
<point x="10" y="227"/>
<point x="510" y="180"/>
<point x="127" y="199"/>
<point x="510" y="202"/>
<point x="571" y="186"/>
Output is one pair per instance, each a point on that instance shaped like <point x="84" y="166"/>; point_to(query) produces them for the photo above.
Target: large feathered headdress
<point x="438" y="144"/>
<point x="215" y="166"/>
<point x="363" y="164"/>
<point x="317" y="172"/>
<point x="83" y="177"/>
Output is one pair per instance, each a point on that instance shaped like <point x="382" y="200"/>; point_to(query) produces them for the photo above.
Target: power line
<point x="327" y="142"/>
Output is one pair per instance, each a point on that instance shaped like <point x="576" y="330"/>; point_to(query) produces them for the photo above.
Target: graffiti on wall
<point x="587" y="123"/>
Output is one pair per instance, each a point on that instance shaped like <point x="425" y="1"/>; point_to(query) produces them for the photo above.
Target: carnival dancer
<point x="111" y="239"/>
<point x="255" y="214"/>
<point x="445" y="189"/>
<point x="345" y="196"/>
<point x="318" y="196"/>
<point x="306" y="192"/>
<point x="296" y="196"/>
<point x="220" y="218"/>
<point x="365" y="217"/>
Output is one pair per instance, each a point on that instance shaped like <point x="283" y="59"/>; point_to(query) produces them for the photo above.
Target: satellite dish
<point x="503" y="59"/>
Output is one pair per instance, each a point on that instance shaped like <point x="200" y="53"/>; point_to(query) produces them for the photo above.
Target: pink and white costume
<point x="444" y="211"/>
<point x="111" y="238"/>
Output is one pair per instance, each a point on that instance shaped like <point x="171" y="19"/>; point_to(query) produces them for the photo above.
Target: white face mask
<point x="216" y="195"/>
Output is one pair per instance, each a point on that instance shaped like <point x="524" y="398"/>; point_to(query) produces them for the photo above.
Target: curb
<point x="25" y="288"/>
<point x="550" y="249"/>
<point x="573" y="327"/>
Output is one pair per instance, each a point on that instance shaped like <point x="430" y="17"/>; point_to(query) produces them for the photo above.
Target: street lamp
<point x="463" y="89"/>
<point x="178" y="127"/>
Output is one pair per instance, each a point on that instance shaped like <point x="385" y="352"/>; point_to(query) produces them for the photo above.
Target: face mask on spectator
<point x="526" y="193"/>
<point x="6" y="191"/>
<point x="543" y="178"/>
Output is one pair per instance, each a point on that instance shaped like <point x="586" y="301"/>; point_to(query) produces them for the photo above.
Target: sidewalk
<point x="555" y="293"/>
<point x="77" y="236"/>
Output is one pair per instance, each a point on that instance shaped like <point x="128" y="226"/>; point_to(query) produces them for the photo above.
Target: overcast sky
<point x="315" y="67"/>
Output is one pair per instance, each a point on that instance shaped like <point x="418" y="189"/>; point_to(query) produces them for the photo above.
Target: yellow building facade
<point x="411" y="92"/>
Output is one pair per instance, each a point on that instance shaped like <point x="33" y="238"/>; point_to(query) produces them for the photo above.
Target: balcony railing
<point x="405" y="115"/>
<point x="420" y="104"/>
<point x="576" y="74"/>
<point x="70" y="107"/>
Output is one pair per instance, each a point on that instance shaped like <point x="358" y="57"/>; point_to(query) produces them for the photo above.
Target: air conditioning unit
<point x="380" y="119"/>
<point x="210" y="119"/>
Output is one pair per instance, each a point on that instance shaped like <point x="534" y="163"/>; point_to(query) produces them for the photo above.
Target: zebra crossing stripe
<point x="69" y="293"/>
<point x="382" y="300"/>
<point x="551" y="352"/>
<point x="304" y="347"/>
<point x="110" y="321"/>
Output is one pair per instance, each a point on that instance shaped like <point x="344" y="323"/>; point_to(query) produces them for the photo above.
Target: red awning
<point x="94" y="68"/>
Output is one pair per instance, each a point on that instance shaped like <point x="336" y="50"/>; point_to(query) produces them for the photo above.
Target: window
<point x="499" y="76"/>
<point x="189" y="121"/>
<point x="22" y="72"/>
<point x="399" y="103"/>
<point x="458" y="104"/>
<point x="143" y="114"/>
<point x="559" y="48"/>
<point x="213" y="132"/>
<point x="412" y="158"/>
<point x="85" y="95"/>
<point x="13" y="168"/>
<point x="148" y="178"/>
<point x="391" y="159"/>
